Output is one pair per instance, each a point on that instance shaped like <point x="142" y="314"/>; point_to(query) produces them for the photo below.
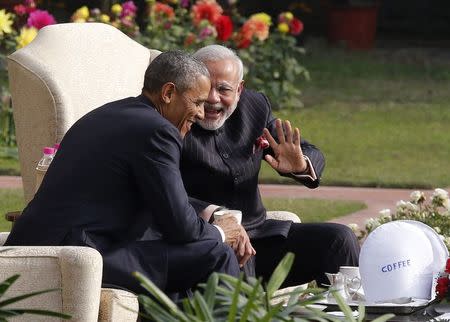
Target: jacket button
<point x="236" y="179"/>
<point x="225" y="155"/>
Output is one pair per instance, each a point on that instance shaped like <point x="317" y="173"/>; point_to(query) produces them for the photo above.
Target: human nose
<point x="213" y="97"/>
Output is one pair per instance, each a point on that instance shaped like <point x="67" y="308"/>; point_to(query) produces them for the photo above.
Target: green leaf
<point x="159" y="295"/>
<point x="22" y="297"/>
<point x="203" y="308"/>
<point x="251" y="300"/>
<point x="279" y="274"/>
<point x="344" y="307"/>
<point x="234" y="304"/>
<point x="384" y="317"/>
<point x="42" y="312"/>
<point x="7" y="283"/>
<point x="210" y="290"/>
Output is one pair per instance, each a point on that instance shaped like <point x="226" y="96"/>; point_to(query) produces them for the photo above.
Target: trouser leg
<point x="193" y="263"/>
<point x="171" y="267"/>
<point x="318" y="248"/>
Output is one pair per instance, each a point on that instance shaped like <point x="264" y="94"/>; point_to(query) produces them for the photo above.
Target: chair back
<point x="65" y="72"/>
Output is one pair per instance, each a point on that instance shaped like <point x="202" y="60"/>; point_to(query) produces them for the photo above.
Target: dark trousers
<point x="318" y="248"/>
<point x="174" y="268"/>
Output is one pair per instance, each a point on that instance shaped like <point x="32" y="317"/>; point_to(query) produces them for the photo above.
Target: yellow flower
<point x="6" y="20"/>
<point x="26" y="36"/>
<point x="288" y="15"/>
<point x="116" y="9"/>
<point x="79" y="20"/>
<point x="81" y="13"/>
<point x="104" y="18"/>
<point x="283" y="27"/>
<point x="263" y="17"/>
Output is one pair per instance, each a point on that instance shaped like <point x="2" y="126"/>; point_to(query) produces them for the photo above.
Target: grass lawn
<point x="314" y="210"/>
<point x="310" y="210"/>
<point x="10" y="200"/>
<point x="381" y="118"/>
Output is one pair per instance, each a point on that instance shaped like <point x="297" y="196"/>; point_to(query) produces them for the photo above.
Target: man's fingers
<point x="280" y="132"/>
<point x="288" y="129"/>
<point x="271" y="160"/>
<point x="270" y="138"/>
<point x="296" y="136"/>
<point x="244" y="259"/>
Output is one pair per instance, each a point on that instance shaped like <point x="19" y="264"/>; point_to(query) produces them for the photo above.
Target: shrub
<point x="434" y="212"/>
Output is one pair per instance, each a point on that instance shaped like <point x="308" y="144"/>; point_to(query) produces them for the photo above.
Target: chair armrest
<point x="283" y="215"/>
<point x="118" y="305"/>
<point x="3" y="237"/>
<point x="75" y="270"/>
<point x="12" y="215"/>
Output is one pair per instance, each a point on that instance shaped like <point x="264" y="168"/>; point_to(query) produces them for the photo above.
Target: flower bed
<point x="268" y="49"/>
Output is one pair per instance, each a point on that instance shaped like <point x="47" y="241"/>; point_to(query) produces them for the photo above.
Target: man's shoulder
<point x="251" y="97"/>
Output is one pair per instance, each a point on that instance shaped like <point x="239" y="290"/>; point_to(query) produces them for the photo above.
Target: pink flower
<point x="39" y="19"/>
<point x="128" y="9"/>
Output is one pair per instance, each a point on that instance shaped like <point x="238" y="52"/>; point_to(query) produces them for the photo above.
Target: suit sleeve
<point x="159" y="179"/>
<point x="311" y="151"/>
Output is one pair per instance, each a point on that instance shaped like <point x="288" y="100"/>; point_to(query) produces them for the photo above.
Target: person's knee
<point x="226" y="261"/>
<point x="346" y="240"/>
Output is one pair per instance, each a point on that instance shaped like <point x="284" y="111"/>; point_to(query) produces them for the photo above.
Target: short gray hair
<point x="218" y="52"/>
<point x="173" y="66"/>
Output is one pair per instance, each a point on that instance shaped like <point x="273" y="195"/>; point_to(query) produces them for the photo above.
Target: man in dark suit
<point x="220" y="163"/>
<point x="115" y="185"/>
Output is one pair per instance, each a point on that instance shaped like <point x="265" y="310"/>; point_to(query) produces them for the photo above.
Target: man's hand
<point x="243" y="248"/>
<point x="236" y="237"/>
<point x="288" y="155"/>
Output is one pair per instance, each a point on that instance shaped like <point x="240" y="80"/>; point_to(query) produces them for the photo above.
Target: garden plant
<point x="226" y="298"/>
<point x="434" y="212"/>
<point x="267" y="48"/>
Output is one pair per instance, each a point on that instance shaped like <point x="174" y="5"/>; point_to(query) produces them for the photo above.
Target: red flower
<point x="206" y="10"/>
<point x="296" y="27"/>
<point x="224" y="27"/>
<point x="262" y="143"/>
<point x="161" y="12"/>
<point x="447" y="266"/>
<point x="243" y="42"/>
<point x="442" y="287"/>
<point x="20" y="9"/>
<point x="39" y="19"/>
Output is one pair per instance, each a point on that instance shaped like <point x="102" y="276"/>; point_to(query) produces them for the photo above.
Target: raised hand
<point x="288" y="155"/>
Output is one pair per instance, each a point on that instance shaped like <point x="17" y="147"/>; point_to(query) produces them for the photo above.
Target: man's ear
<point x="240" y="88"/>
<point x="167" y="92"/>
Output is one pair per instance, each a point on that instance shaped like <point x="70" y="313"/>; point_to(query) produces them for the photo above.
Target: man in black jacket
<point x="115" y="185"/>
<point x="220" y="163"/>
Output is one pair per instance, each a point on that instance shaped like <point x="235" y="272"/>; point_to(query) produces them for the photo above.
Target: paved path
<point x="375" y="198"/>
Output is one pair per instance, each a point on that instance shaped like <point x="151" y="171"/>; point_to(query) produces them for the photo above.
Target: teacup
<point x="235" y="213"/>
<point x="353" y="278"/>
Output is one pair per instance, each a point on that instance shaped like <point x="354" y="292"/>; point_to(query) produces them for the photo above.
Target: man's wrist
<point x="211" y="220"/>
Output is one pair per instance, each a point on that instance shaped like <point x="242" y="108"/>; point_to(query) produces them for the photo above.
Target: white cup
<point x="235" y="213"/>
<point x="353" y="278"/>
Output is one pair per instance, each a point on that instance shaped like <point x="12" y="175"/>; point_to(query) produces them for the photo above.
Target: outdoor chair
<point x="65" y="72"/>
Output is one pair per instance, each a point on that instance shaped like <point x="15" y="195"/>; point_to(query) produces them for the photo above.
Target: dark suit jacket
<point x="222" y="166"/>
<point x="115" y="180"/>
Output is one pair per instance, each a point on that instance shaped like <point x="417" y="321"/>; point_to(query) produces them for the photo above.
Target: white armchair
<point x="65" y="72"/>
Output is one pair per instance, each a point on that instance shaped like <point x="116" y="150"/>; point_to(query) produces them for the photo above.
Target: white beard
<point x="213" y="125"/>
